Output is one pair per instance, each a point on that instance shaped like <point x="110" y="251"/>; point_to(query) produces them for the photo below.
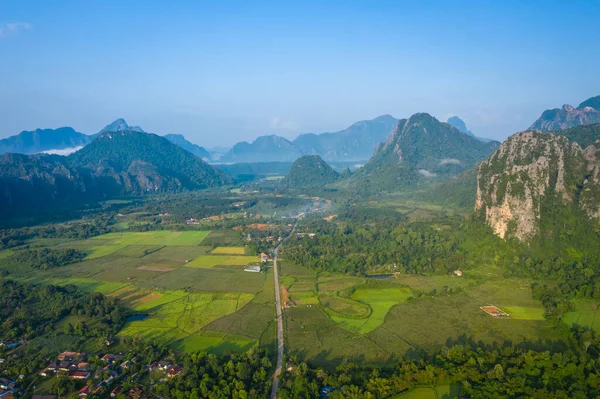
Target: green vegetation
<point x="310" y="171"/>
<point x="45" y="258"/>
<point x="379" y="300"/>
<point x="229" y="251"/>
<point x="215" y="260"/>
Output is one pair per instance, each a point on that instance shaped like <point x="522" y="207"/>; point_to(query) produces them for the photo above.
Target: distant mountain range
<point x="356" y="143"/>
<point x="462" y="126"/>
<point x="44" y="140"/>
<point x="112" y="165"/>
<point x="181" y="141"/>
<point x="421" y="150"/>
<point x="587" y="113"/>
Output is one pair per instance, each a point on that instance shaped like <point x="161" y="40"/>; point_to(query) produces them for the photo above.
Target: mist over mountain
<point x="112" y="165"/>
<point x="41" y="140"/>
<point x="587" y="113"/>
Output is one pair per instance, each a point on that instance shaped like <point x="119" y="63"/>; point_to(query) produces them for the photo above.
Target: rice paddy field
<point x="188" y="290"/>
<point x="584" y="315"/>
<point x="369" y="320"/>
<point x="177" y="289"/>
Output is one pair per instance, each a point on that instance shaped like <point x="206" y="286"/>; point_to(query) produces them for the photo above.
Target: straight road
<point x="279" y="307"/>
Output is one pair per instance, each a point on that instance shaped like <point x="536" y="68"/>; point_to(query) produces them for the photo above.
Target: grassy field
<point x="347" y="307"/>
<point x="379" y="300"/>
<point x="445" y="391"/>
<point x="229" y="251"/>
<point x="177" y="315"/>
<point x="208" y="261"/>
<point x="585" y="315"/>
<point x="524" y="313"/>
<point x="172" y="304"/>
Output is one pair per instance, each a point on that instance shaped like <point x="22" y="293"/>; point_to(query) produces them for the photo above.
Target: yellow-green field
<point x="207" y="261"/>
<point x="380" y="300"/>
<point x="177" y="315"/>
<point x="229" y="251"/>
<point x="166" y="301"/>
<point x="524" y="312"/>
<point x="445" y="391"/>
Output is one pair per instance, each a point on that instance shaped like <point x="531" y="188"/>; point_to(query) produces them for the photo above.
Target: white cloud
<point x="274" y="122"/>
<point x="14" y="28"/>
<point x="426" y="173"/>
<point x="277" y="123"/>
<point x="451" y="161"/>
<point x="64" y="151"/>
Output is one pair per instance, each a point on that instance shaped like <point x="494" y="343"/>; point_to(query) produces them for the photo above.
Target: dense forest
<point x="44" y="259"/>
<point x="356" y="246"/>
<point x="28" y="310"/>
<point x="503" y="372"/>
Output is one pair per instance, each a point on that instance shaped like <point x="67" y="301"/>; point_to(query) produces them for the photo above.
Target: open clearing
<point x="380" y="300"/>
<point x="524" y="312"/>
<point x="445" y="391"/>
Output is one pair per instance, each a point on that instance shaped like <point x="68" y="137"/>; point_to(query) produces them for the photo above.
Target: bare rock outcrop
<point x="528" y="170"/>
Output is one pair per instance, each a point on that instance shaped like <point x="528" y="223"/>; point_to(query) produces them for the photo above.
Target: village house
<point x="116" y="391"/>
<point x="6" y="394"/>
<point x="174" y="371"/>
<point x="264" y="257"/>
<point x="79" y="375"/>
<point x="110" y="358"/>
<point x="164" y="364"/>
<point x="85" y="391"/>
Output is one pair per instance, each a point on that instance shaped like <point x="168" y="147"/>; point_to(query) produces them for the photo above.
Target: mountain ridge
<point x="587" y="113"/>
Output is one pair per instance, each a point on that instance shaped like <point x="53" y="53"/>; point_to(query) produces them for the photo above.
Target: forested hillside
<point x="310" y="171"/>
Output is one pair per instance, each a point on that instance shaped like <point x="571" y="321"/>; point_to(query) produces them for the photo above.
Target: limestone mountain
<point x="459" y="124"/>
<point x="462" y="126"/>
<point x="263" y="149"/>
<point x="421" y="149"/>
<point x="43" y="140"/>
<point x="310" y="171"/>
<point x="112" y="165"/>
<point x="587" y="113"/>
<point x="119" y="126"/>
<point x="182" y="142"/>
<point x="141" y="162"/>
<point x="540" y="183"/>
<point x="356" y="143"/>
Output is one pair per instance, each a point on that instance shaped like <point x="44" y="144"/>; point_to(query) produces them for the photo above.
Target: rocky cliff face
<point x="528" y="172"/>
<point x="586" y="113"/>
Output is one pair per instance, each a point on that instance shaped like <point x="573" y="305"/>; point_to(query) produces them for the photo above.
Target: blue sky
<point x="220" y="72"/>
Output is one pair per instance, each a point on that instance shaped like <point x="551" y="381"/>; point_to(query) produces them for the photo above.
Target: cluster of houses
<point x="7" y="388"/>
<point x="73" y="363"/>
<point x="172" y="370"/>
<point x="309" y="235"/>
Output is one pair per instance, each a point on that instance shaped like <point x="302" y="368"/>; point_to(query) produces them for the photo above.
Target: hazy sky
<point x="223" y="71"/>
